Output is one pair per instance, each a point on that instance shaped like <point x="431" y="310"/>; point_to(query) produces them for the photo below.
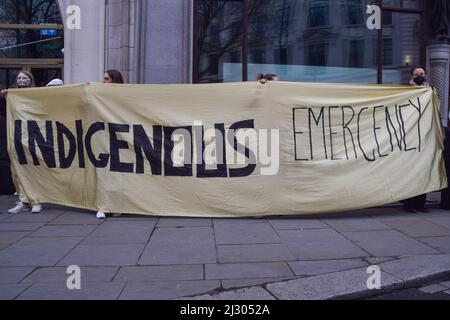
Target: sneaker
<point x="20" y="207"/>
<point x="37" y="208"/>
<point x="101" y="215"/>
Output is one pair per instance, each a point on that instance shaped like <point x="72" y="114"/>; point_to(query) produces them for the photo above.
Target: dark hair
<point x="418" y="67"/>
<point x="268" y="76"/>
<point x="116" y="76"/>
<point x="29" y="75"/>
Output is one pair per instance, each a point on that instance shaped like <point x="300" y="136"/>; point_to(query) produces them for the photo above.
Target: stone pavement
<point x="134" y="257"/>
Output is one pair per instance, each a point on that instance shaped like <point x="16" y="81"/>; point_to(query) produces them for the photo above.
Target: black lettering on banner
<point x="359" y="138"/>
<point x="297" y="133"/>
<point x="400" y="124"/>
<point x="232" y="139"/>
<point x="389" y="125"/>
<point x="332" y="133"/>
<point x="419" y="109"/>
<point x="169" y="168"/>
<point x="403" y="126"/>
<point x="221" y="171"/>
<point x="345" y="127"/>
<point x="18" y="142"/>
<point x="375" y="129"/>
<point x="103" y="159"/>
<point x="46" y="145"/>
<point x="80" y="145"/>
<point x="65" y="159"/>
<point x="316" y="121"/>
<point x="153" y="153"/>
<point x="116" y="145"/>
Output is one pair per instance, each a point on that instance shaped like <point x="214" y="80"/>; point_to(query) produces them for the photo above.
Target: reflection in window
<point x="356" y="54"/>
<point x="355" y="12"/>
<point x="281" y="56"/>
<point x="317" y="54"/>
<point x="26" y="43"/>
<point x="219" y="38"/>
<point x="318" y="13"/>
<point x="387" y="52"/>
<point x="29" y="12"/>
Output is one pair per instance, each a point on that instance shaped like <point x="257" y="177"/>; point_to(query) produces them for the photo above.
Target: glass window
<point x="35" y="44"/>
<point x="8" y="77"/>
<point x="401" y="47"/>
<point x="305" y="40"/>
<point x="219" y="41"/>
<point x="29" y="12"/>
<point x="410" y="4"/>
<point x="355" y="12"/>
<point x="318" y="13"/>
<point x="338" y="52"/>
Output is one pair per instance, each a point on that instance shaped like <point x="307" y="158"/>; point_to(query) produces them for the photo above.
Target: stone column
<point x="168" y="47"/>
<point x="439" y="67"/>
<point x="84" y="49"/>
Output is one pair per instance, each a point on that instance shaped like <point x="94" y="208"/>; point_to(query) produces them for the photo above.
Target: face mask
<point x="419" y="80"/>
<point x="23" y="83"/>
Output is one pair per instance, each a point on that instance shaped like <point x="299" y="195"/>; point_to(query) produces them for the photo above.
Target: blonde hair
<point x="29" y="75"/>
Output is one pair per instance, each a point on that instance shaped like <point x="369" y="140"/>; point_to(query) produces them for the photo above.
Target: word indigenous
<point x="165" y="154"/>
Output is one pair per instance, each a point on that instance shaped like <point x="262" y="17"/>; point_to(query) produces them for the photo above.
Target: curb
<point x="403" y="273"/>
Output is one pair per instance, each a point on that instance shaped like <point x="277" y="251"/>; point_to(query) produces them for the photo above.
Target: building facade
<point x="202" y="41"/>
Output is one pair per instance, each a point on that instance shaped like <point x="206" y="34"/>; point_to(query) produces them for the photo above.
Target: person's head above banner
<point x="264" y="78"/>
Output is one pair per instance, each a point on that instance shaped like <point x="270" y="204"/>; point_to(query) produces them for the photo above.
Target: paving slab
<point x="46" y="215"/>
<point x="388" y="243"/>
<point x="246" y="294"/>
<point x="9" y="237"/>
<point x="180" y="246"/>
<point x="59" y="274"/>
<point x="242" y="283"/>
<point x="254" y="253"/>
<point x="160" y="273"/>
<point x="121" y="232"/>
<point x="59" y="291"/>
<point x="14" y="274"/>
<point x="313" y="268"/>
<point x="292" y="224"/>
<point x="63" y="231"/>
<point x="184" y="222"/>
<point x="378" y="260"/>
<point x="416" y="268"/>
<point x="37" y="251"/>
<point x="99" y="255"/>
<point x="445" y="222"/>
<point x="320" y="244"/>
<point x="4" y="226"/>
<point x="77" y="218"/>
<point x="417" y="229"/>
<point x="442" y="244"/>
<point x="247" y="270"/>
<point x="167" y="289"/>
<point x="351" y="283"/>
<point x="356" y="224"/>
<point x="245" y="233"/>
<point x="435" y="288"/>
<point x="9" y="291"/>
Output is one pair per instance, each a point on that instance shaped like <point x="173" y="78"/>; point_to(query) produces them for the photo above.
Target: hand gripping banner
<point x="225" y="150"/>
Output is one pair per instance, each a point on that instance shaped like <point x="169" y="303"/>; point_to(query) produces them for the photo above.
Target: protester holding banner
<point x="418" y="78"/>
<point x="24" y="79"/>
<point x="111" y="76"/>
<point x="263" y="78"/>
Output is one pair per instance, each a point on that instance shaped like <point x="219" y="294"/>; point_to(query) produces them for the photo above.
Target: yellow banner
<point x="224" y="150"/>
